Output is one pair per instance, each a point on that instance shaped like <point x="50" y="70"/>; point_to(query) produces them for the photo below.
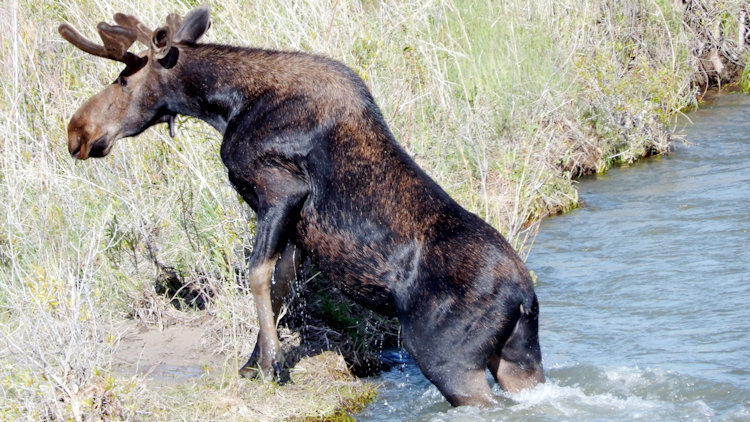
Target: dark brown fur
<point x="307" y="148"/>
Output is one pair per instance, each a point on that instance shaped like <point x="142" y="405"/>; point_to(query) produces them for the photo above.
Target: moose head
<point x="136" y="100"/>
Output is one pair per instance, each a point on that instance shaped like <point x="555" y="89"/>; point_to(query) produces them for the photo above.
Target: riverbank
<point x="503" y="104"/>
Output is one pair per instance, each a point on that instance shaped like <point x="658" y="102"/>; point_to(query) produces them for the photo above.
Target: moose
<point x="305" y="145"/>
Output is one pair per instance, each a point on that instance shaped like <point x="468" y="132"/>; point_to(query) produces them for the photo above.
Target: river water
<point x="644" y="292"/>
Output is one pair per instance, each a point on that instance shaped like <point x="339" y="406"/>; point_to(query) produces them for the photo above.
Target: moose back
<point x="307" y="148"/>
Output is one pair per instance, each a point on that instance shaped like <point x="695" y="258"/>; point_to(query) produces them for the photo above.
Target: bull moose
<point x="308" y="149"/>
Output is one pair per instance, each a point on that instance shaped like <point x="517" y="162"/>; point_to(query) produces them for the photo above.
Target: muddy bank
<point x="179" y="360"/>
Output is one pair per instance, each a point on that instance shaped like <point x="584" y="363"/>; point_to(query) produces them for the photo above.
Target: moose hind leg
<point x="463" y="387"/>
<point x="449" y="362"/>
<point x="460" y="382"/>
<point x="518" y="365"/>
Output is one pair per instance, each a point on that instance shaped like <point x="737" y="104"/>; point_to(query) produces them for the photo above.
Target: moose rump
<point x="307" y="148"/>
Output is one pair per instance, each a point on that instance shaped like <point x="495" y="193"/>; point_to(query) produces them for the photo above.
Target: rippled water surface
<point x="645" y="294"/>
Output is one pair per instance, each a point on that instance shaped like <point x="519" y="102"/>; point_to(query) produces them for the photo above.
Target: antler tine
<point x="78" y="40"/>
<point x="129" y="21"/>
<point x="117" y="40"/>
<point x="174" y="21"/>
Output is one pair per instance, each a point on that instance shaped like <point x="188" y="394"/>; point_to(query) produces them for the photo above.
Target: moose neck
<point x="213" y="83"/>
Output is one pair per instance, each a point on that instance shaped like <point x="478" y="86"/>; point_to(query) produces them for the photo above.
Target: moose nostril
<point x="75" y="147"/>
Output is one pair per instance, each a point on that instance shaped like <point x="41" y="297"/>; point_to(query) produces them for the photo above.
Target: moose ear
<point x="161" y="42"/>
<point x="194" y="25"/>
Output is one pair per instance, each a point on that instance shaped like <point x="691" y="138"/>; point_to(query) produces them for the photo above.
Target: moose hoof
<point x="250" y="372"/>
<point x="279" y="372"/>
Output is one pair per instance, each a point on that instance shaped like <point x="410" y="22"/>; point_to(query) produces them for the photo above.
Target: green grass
<point x="744" y="82"/>
<point x="503" y="103"/>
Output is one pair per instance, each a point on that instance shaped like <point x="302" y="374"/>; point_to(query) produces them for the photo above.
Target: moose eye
<point x="121" y="81"/>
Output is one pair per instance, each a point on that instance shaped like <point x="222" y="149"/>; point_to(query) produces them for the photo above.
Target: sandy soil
<point x="173" y="354"/>
<point x="179" y="355"/>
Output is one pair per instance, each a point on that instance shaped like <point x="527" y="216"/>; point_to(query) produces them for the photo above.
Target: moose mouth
<point x="99" y="148"/>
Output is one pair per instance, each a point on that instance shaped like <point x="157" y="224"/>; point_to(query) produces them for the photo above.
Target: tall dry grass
<point x="503" y="103"/>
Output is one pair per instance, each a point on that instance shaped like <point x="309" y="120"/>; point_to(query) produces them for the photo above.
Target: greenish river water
<point x="644" y="292"/>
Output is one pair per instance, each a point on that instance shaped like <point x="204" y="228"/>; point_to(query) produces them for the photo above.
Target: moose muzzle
<point x="86" y="140"/>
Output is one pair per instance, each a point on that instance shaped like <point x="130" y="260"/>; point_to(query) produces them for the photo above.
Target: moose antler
<point x="159" y="40"/>
<point x="174" y="21"/>
<point x="117" y="39"/>
<point x="129" y="21"/>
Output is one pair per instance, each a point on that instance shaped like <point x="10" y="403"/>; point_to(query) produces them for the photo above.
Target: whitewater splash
<point x="576" y="392"/>
<point x="588" y="393"/>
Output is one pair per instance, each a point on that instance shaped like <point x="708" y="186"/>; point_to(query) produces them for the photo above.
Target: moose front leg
<point x="277" y="198"/>
<point x="270" y="360"/>
<point x="268" y="241"/>
<point x="285" y="272"/>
